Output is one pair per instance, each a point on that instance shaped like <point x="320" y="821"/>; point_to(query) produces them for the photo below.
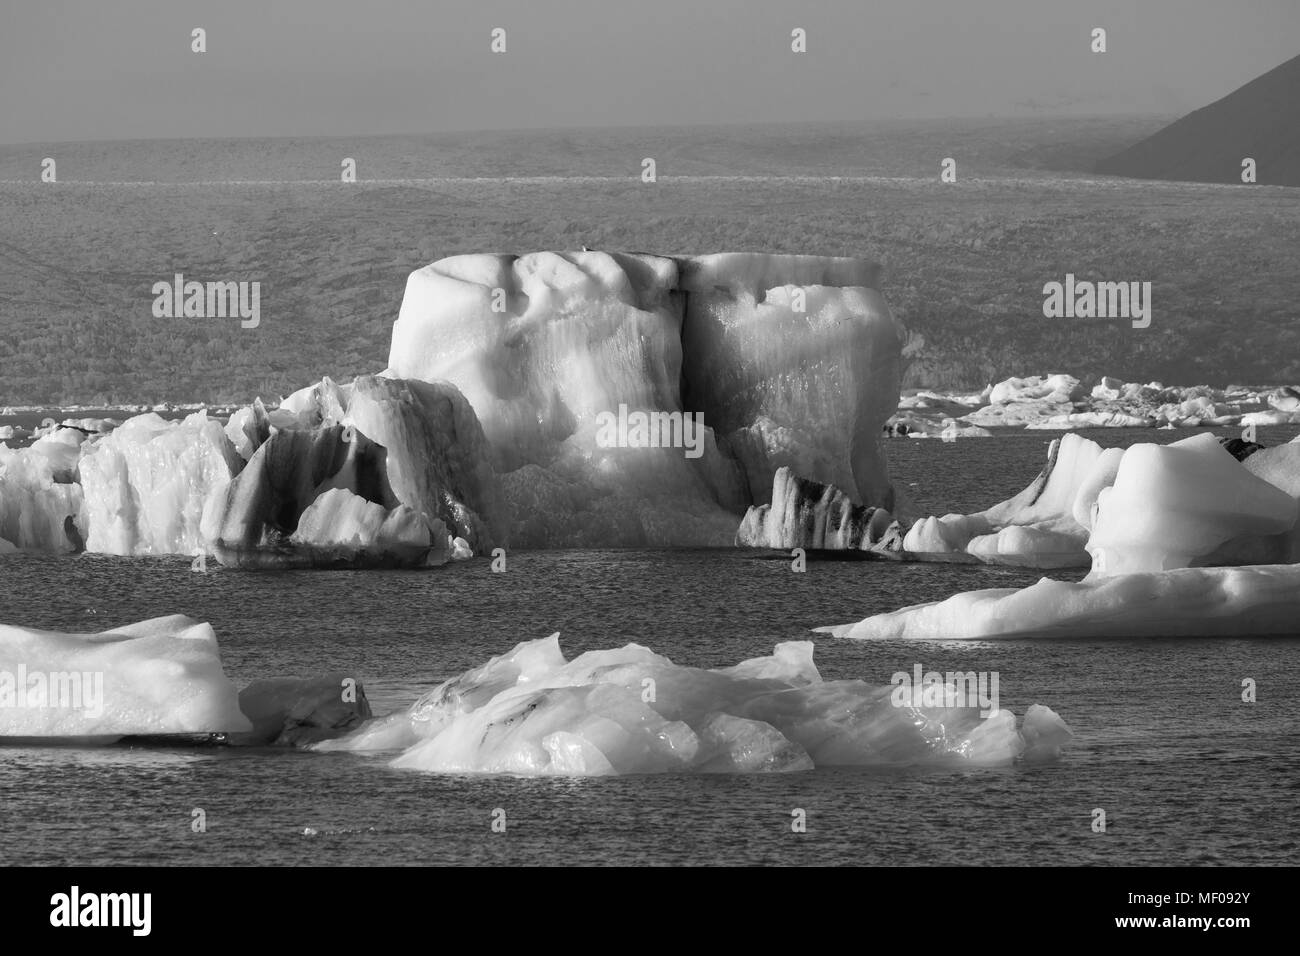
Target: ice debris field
<point x="491" y="427"/>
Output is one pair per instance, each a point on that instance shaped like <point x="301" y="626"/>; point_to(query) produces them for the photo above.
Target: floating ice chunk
<point x="161" y="676"/>
<point x="345" y="525"/>
<point x="1045" y="734"/>
<point x="1259" y="600"/>
<point x="1270" y="417"/>
<point x="145" y="486"/>
<point x="1052" y="389"/>
<point x="951" y="532"/>
<point x="319" y="498"/>
<point x="629" y="710"/>
<point x="1172" y="504"/>
<point x="39" y="501"/>
<point x="438" y="457"/>
<point x="806" y="514"/>
<point x="1037" y="527"/>
<point x="287" y="711"/>
<point x="1092" y="420"/>
<point x="1029" y="547"/>
<point x="435" y="456"/>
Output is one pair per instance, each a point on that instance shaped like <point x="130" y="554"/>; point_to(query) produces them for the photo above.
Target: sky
<point x="124" y="69"/>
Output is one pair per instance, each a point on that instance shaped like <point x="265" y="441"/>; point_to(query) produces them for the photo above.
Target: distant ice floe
<point x="1183" y="539"/>
<point x="629" y="710"/>
<point x="1061" y="403"/>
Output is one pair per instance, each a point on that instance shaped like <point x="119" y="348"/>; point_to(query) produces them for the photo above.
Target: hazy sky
<point x="121" y="69"/>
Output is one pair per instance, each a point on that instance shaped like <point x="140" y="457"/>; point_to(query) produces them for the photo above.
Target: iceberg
<point x="629" y="710"/>
<point x="40" y="501"/>
<point x="1170" y="506"/>
<point x="161" y="676"/>
<point x="1176" y="535"/>
<point x="580" y="399"/>
<point x="145" y="486"/>
<point x="794" y="361"/>
<point x="778" y="360"/>
<point x="318" y="498"/>
<point x="1257" y="600"/>
<point x="293" y="712"/>
<point x="807" y="514"/>
<point x="435" y="454"/>
<point x="1190" y="502"/>
<point x="1039" y="527"/>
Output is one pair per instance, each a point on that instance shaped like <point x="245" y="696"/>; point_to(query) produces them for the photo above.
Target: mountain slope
<point x="1261" y="120"/>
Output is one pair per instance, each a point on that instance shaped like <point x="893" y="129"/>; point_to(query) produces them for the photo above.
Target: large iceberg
<point x="161" y="676"/>
<point x="629" y="710"/>
<point x="794" y="361"/>
<point x="579" y="399"/>
<point x="742" y="364"/>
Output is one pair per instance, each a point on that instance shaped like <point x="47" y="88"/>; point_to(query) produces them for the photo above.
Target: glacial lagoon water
<point x="1184" y="769"/>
